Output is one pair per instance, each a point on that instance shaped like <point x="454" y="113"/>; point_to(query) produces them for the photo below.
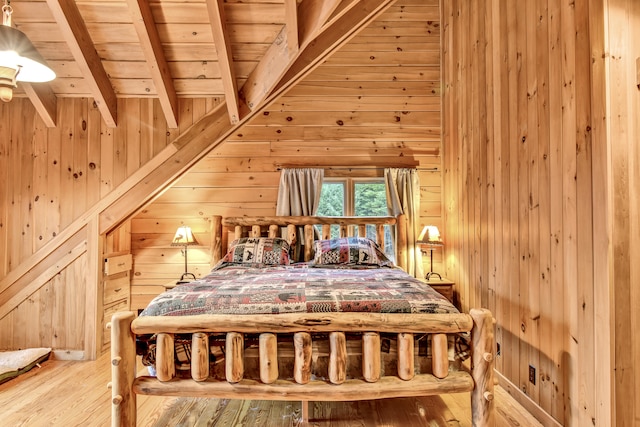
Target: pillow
<point x="349" y="251"/>
<point x="258" y="250"/>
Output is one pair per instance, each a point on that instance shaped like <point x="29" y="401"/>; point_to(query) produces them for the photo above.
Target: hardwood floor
<point x="65" y="393"/>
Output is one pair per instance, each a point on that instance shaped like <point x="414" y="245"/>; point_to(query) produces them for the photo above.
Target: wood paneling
<point x="374" y="103"/>
<point x="52" y="177"/>
<point x="539" y="189"/>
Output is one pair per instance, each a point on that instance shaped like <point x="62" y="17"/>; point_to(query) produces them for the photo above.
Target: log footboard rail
<point x="125" y="385"/>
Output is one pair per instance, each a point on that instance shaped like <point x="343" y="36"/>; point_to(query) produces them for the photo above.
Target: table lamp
<point x="184" y="237"/>
<point x="430" y="239"/>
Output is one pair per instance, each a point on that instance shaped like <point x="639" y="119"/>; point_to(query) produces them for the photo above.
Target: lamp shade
<point x="19" y="59"/>
<point x="430" y="235"/>
<point x="18" y="53"/>
<point x="184" y="237"/>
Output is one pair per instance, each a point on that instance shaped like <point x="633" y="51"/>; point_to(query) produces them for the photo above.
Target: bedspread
<point x="300" y="288"/>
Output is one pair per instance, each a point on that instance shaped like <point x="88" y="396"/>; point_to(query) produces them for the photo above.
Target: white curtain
<point x="299" y="194"/>
<point x="403" y="196"/>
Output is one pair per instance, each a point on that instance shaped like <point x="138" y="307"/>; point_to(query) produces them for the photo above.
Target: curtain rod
<point x="350" y="168"/>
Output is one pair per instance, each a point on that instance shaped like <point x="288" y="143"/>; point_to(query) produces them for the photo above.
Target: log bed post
<point x="482" y="337"/>
<point x="123" y="370"/>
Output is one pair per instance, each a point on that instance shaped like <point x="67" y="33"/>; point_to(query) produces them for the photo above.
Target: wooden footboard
<point x="336" y="387"/>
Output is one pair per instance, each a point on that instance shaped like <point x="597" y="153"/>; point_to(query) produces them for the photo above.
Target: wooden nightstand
<point x="443" y="286"/>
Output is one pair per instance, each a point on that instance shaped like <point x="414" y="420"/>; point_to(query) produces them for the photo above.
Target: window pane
<point x="331" y="199"/>
<point x="370" y="199"/>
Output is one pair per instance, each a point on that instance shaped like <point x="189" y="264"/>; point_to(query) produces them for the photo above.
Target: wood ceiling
<point x="236" y="49"/>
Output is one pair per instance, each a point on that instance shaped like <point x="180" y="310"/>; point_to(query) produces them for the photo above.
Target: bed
<point x="343" y="324"/>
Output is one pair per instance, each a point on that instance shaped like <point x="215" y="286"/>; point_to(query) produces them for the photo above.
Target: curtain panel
<point x="403" y="196"/>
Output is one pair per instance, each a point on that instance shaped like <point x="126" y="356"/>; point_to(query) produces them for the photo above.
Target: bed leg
<point x="482" y="367"/>
<point x="304" y="414"/>
<point x="123" y="370"/>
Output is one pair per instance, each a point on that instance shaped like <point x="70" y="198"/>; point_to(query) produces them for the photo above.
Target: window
<point x="356" y="197"/>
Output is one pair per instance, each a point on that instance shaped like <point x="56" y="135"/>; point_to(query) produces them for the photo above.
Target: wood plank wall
<point x="623" y="118"/>
<point x="49" y="178"/>
<point x="540" y="195"/>
<point x="375" y="103"/>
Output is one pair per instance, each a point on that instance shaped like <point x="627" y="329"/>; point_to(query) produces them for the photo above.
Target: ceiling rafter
<point x="339" y="30"/>
<point x="225" y="57"/>
<point x="154" y="54"/>
<point x="213" y="129"/>
<point x="44" y="100"/>
<point x="280" y="56"/>
<point x="75" y="33"/>
<point x="291" y="24"/>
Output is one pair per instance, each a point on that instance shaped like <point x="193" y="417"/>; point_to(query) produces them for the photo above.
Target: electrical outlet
<point x="497" y="349"/>
<point x="532" y="375"/>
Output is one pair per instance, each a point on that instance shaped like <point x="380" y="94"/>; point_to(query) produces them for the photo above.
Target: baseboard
<point x="68" y="354"/>
<point x="526" y="402"/>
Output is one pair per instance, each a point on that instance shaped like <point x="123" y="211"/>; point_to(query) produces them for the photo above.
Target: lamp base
<point x="186" y="278"/>
<point x="431" y="273"/>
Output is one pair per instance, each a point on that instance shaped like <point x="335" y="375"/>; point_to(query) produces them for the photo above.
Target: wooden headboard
<point x="245" y="226"/>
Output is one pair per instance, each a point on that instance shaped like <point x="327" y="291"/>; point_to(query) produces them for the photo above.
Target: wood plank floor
<point x="66" y="393"/>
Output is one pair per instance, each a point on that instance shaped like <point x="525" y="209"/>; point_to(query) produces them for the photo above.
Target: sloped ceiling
<point x="110" y="49"/>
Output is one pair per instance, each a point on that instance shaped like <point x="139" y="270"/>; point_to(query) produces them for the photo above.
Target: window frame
<point x="349" y="186"/>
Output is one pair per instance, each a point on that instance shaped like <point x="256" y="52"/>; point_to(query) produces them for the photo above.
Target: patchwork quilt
<point x="299" y="288"/>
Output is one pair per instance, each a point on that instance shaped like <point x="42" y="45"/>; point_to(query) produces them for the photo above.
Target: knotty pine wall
<point x="540" y="131"/>
<point x="49" y="178"/>
<point x="373" y="104"/>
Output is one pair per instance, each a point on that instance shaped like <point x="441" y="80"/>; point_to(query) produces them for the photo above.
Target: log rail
<point x="125" y="385"/>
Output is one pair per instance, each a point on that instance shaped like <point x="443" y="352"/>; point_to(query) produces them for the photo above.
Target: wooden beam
<point x="338" y="32"/>
<point x="291" y="23"/>
<point x="149" y="182"/>
<point x="77" y="36"/>
<point x="281" y="55"/>
<point x="225" y="57"/>
<point x="312" y="16"/>
<point x="44" y="101"/>
<point x="154" y="54"/>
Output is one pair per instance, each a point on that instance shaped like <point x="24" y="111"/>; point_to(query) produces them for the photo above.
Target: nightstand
<point x="443" y="286"/>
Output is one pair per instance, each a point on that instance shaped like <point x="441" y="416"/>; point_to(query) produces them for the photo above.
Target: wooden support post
<point x="302" y="362"/>
<point x="309" y="237"/>
<point x="337" y="357"/>
<point x="371" y="356"/>
<point x="292" y="238"/>
<point x="439" y="355"/>
<point x="362" y="230"/>
<point x="380" y="235"/>
<point x="344" y="230"/>
<point x="304" y="413"/>
<point x="406" y="370"/>
<point x="268" y="350"/>
<point x="237" y="232"/>
<point x="123" y="370"/>
<point x="274" y="231"/>
<point x="216" y="239"/>
<point x="200" y="356"/>
<point x="482" y="357"/>
<point x="165" y="361"/>
<point x="234" y="357"/>
<point x="256" y="231"/>
<point x="326" y="231"/>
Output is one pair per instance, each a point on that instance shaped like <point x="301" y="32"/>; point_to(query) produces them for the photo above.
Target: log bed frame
<point x="125" y="326"/>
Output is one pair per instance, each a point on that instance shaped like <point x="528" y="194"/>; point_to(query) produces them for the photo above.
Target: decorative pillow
<point x="260" y="250"/>
<point x="349" y="251"/>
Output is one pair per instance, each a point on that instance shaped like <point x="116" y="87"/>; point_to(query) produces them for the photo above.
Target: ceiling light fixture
<point x="19" y="59"/>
